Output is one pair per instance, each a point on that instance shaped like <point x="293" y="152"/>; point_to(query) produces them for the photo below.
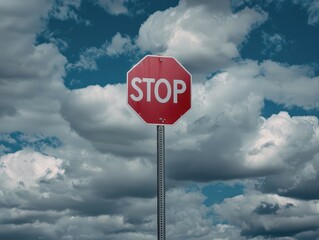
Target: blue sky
<point x="77" y="163"/>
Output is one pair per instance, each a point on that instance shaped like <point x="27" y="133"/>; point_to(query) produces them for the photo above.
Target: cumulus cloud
<point x="101" y="179"/>
<point x="30" y="74"/>
<point x="40" y="195"/>
<point x="270" y="216"/>
<point x="226" y="109"/>
<point x="65" y="209"/>
<point x="229" y="106"/>
<point x="119" y="45"/>
<point x="224" y="112"/>
<point x="102" y="116"/>
<point x="20" y="58"/>
<point x="26" y="168"/>
<point x="210" y="43"/>
<point x="294" y="85"/>
<point x="290" y="144"/>
<point x="223" y="137"/>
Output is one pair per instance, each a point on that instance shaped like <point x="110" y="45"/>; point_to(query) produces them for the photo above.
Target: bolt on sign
<point x="159" y="90"/>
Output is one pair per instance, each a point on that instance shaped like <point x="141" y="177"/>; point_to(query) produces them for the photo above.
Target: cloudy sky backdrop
<point x="77" y="163"/>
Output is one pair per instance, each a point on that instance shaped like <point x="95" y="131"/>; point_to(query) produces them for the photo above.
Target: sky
<point x="77" y="163"/>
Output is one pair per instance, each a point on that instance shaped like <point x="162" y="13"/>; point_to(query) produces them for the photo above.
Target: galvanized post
<point x="161" y="183"/>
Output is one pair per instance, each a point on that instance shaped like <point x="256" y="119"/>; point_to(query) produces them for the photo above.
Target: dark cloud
<point x="140" y="187"/>
<point x="282" y="185"/>
<point x="101" y="115"/>
<point x="7" y="110"/>
<point x="26" y="232"/>
<point x="266" y="208"/>
<point x="300" y="178"/>
<point x="218" y="158"/>
<point x="287" y="229"/>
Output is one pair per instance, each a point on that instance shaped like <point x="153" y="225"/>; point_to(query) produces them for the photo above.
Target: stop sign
<point x="159" y="89"/>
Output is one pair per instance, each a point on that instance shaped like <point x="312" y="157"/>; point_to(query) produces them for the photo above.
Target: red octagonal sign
<point x="159" y="89"/>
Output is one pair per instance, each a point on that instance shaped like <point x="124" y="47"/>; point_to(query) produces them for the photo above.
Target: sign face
<point x="159" y="90"/>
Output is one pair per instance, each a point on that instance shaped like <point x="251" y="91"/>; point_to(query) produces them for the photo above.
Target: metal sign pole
<point x="161" y="182"/>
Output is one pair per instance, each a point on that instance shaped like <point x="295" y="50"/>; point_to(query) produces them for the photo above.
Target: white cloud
<point x="27" y="168"/>
<point x="186" y="216"/>
<point x="313" y="11"/>
<point x="209" y="31"/>
<point x="129" y="218"/>
<point x="280" y="137"/>
<point x="273" y="43"/>
<point x="312" y="7"/>
<point x="114" y="7"/>
<point x="269" y="215"/>
<point x="119" y="45"/>
<point x="293" y="85"/>
<point x="65" y="9"/>
<point x="4" y="149"/>
<point x="290" y="145"/>
<point x="225" y="120"/>
<point x="88" y="59"/>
